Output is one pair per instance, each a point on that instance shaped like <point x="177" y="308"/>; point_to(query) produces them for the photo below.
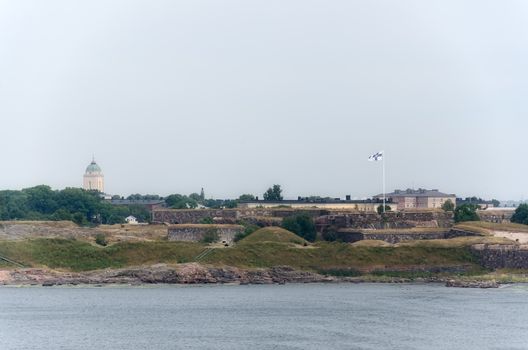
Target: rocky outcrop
<point x="191" y="273"/>
<point x="472" y="284"/>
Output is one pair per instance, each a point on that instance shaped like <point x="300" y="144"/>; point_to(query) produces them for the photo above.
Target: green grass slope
<point x="273" y="234"/>
<point x="76" y="255"/>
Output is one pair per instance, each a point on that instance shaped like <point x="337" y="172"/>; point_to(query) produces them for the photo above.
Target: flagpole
<point x="383" y="166"/>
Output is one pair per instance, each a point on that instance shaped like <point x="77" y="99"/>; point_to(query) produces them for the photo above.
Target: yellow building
<point x="358" y="205"/>
<point x="419" y="199"/>
<point x="93" y="178"/>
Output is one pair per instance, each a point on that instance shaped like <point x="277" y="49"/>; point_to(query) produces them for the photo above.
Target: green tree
<point x="379" y="209"/>
<point x="273" y="193"/>
<point x="330" y="234"/>
<point x="178" y="201"/>
<point x="100" y="239"/>
<point x="79" y="219"/>
<point x="196" y="197"/>
<point x="448" y="205"/>
<point x="213" y="203"/>
<point x="521" y="214"/>
<point x="495" y="202"/>
<point x="466" y="212"/>
<point x="207" y="220"/>
<point x="41" y="199"/>
<point x="13" y="205"/>
<point x="246" y="197"/>
<point x="135" y="197"/>
<point x="302" y="225"/>
<point x="230" y="204"/>
<point x="61" y="215"/>
<point x="76" y="204"/>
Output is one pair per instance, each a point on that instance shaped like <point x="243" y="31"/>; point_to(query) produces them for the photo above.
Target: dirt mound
<point x="372" y="243"/>
<point x="273" y="234"/>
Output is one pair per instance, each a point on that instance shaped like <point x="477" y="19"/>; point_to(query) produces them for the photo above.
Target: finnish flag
<point x="376" y="157"/>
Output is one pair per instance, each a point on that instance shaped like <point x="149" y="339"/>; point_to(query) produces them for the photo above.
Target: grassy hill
<point x="273" y="234"/>
<point x="76" y="255"/>
<point x="266" y="247"/>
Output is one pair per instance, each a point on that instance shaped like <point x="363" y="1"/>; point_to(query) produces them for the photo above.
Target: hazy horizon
<point x="235" y="96"/>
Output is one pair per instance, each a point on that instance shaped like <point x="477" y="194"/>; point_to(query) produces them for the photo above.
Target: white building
<point x="93" y="177"/>
<point x="132" y="220"/>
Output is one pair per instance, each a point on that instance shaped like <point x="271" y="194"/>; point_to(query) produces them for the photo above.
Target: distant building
<point x="368" y="205"/>
<point x="132" y="220"/>
<point x="483" y="204"/>
<point x="419" y="199"/>
<point x="93" y="178"/>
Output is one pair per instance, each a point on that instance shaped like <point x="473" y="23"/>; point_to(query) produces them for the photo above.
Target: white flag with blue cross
<point x="375" y="157"/>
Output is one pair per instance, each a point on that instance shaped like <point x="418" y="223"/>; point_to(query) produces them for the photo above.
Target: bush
<point x="330" y="234"/>
<point x="380" y="208"/>
<point x="231" y="204"/>
<point x="302" y="225"/>
<point x="61" y="214"/>
<point x="521" y="214"/>
<point x="79" y="219"/>
<point x="210" y="236"/>
<point x="466" y="212"/>
<point x="207" y="220"/>
<point x="448" y="205"/>
<point x="100" y="239"/>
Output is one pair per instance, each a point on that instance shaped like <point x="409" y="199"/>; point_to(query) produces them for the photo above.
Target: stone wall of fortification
<point x="390" y="220"/>
<point x="195" y="233"/>
<point x="323" y="218"/>
<point x="500" y="256"/>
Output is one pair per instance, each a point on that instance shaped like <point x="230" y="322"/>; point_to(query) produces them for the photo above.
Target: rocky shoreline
<point x="181" y="274"/>
<point x="193" y="273"/>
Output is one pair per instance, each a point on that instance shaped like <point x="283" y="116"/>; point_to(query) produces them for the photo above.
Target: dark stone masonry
<point x="354" y="235"/>
<point x="196" y="232"/>
<point x="323" y="218"/>
<point x="500" y="256"/>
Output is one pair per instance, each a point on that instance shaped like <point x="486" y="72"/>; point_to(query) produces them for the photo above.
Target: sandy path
<point x="5" y="276"/>
<point x="522" y="237"/>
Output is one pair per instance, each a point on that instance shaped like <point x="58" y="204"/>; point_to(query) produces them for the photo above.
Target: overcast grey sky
<point x="235" y="96"/>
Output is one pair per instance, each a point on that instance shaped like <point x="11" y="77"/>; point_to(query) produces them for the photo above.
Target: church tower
<point x="93" y="177"/>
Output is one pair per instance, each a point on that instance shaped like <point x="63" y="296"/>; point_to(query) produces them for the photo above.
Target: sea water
<point x="292" y="316"/>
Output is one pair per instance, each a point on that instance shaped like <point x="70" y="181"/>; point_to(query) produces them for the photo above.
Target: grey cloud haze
<point x="234" y="96"/>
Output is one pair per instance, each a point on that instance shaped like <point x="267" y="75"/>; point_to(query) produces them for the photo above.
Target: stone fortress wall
<point x="501" y="256"/>
<point x="353" y="235"/>
<point x="197" y="232"/>
<point x="323" y="218"/>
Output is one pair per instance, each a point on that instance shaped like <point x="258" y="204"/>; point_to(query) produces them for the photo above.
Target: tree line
<point x="89" y="207"/>
<point x="74" y="204"/>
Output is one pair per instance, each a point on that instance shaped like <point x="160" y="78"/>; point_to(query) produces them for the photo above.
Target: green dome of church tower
<point x="93" y="177"/>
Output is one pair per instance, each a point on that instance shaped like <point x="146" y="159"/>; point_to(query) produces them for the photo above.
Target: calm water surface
<point x="343" y="316"/>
